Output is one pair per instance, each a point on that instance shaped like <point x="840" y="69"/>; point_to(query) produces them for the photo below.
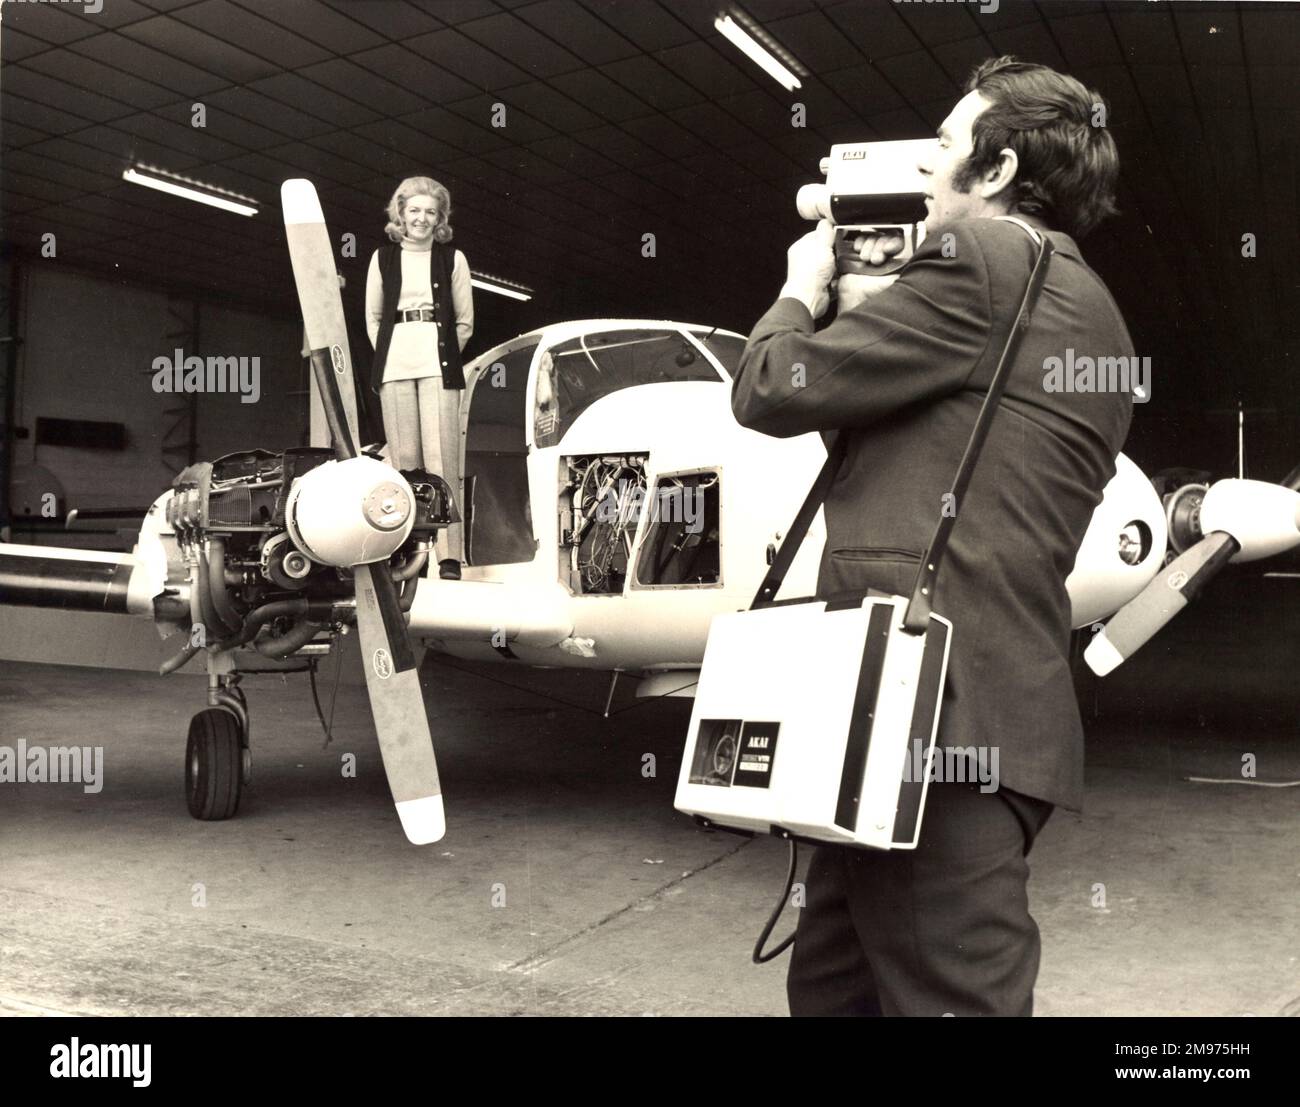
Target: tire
<point x="214" y="764"/>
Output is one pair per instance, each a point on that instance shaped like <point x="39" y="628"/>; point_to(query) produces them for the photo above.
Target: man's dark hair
<point x="1068" y="165"/>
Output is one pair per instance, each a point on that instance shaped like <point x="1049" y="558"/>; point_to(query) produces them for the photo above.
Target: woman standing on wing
<point x="419" y="315"/>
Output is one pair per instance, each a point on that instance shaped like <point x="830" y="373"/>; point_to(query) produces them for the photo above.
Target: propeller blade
<point x="317" y="279"/>
<point x="397" y="704"/>
<point x="391" y="676"/>
<point x="1171" y="590"/>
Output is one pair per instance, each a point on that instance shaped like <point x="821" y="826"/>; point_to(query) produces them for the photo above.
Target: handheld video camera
<point x="870" y="187"/>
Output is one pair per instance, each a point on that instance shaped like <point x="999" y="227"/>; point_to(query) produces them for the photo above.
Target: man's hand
<point x="810" y="268"/>
<point x="876" y="249"/>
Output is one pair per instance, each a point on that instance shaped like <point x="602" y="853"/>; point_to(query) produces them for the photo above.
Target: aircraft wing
<point x="78" y="580"/>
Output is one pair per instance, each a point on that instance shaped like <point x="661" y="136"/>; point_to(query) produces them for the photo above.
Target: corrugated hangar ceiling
<point x="633" y="116"/>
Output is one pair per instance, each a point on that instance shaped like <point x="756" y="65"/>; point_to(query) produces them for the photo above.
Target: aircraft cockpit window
<point x="573" y="375"/>
<point x="727" y="348"/>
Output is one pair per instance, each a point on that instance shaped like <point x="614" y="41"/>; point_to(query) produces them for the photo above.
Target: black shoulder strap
<point x="794" y="536"/>
<point x="918" y="608"/>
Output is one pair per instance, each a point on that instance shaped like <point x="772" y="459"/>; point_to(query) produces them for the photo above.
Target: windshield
<point x="573" y="375"/>
<point x="727" y="348"/>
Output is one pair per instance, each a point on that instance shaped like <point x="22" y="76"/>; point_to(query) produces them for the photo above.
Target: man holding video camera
<point x="902" y="371"/>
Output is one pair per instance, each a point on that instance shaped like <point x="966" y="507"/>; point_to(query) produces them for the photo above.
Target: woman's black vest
<point x="442" y="258"/>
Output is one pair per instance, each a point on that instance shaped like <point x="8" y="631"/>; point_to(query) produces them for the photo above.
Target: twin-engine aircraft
<point x="612" y="505"/>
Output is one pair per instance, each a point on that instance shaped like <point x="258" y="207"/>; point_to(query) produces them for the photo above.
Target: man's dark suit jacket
<point x="904" y="374"/>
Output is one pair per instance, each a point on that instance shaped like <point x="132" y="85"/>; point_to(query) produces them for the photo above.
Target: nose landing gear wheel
<point x="214" y="765"/>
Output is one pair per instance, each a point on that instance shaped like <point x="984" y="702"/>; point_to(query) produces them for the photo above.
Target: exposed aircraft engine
<point x="262" y="541"/>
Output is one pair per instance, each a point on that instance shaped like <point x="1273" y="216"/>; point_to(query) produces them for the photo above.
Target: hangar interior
<point x="567" y="131"/>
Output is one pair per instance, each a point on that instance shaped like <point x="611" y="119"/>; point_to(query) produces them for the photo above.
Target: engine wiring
<point x="599" y="534"/>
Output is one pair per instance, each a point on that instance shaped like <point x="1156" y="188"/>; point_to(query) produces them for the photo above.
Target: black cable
<point x="761" y="958"/>
<point x="327" y="727"/>
<point x="334" y="694"/>
<point x="315" y="698"/>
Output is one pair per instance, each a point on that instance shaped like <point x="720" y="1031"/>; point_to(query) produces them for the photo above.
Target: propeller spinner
<point x="1240" y="520"/>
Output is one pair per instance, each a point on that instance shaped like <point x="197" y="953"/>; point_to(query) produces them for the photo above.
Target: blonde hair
<point x="419" y="186"/>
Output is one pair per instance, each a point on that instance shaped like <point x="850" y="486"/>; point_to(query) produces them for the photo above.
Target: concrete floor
<point x="614" y="903"/>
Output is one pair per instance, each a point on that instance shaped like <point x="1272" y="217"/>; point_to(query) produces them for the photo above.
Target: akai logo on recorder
<point x="757" y="755"/>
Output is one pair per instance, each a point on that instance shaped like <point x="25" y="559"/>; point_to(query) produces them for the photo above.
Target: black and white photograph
<point x="650" y="508"/>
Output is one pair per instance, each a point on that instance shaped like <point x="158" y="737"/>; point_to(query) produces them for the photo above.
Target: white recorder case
<point x="816" y="723"/>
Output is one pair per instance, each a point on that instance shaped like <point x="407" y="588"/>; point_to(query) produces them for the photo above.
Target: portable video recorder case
<point x="816" y="720"/>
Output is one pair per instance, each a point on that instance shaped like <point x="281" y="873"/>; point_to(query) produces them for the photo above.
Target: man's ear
<point x="998" y="179"/>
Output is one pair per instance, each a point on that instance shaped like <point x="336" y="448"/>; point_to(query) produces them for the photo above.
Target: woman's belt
<point x="416" y="315"/>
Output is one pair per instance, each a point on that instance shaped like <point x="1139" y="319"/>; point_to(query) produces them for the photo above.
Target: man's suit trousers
<point x="942" y="929"/>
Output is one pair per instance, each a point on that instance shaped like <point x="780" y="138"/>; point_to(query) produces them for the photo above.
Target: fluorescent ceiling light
<point x="190" y="190"/>
<point x="500" y="286"/>
<point x="757" y="52"/>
